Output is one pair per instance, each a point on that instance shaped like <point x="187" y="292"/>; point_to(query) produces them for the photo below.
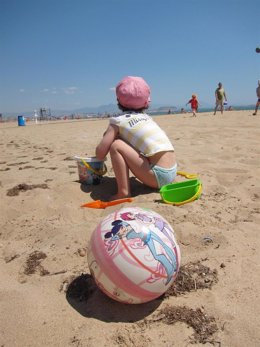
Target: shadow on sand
<point x="107" y="187"/>
<point x="87" y="299"/>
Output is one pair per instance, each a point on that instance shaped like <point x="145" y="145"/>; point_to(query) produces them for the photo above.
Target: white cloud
<point x="21" y="90"/>
<point x="66" y="90"/>
<point x="52" y="90"/>
<point x="70" y="90"/>
<point x="113" y="89"/>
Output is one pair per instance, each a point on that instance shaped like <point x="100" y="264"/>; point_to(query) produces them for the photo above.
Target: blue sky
<point x="68" y="54"/>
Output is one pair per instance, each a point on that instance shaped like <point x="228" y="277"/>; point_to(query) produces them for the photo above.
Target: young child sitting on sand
<point x="135" y="142"/>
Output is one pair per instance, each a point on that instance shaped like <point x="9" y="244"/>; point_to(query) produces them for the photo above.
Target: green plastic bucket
<point x="180" y="193"/>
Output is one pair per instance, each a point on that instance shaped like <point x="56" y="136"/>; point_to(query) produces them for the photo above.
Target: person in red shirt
<point x="194" y="104"/>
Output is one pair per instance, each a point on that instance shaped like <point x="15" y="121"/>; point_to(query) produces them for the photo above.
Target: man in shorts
<point x="220" y="98"/>
<point x="258" y="98"/>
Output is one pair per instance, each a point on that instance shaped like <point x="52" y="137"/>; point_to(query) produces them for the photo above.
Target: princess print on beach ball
<point x="133" y="255"/>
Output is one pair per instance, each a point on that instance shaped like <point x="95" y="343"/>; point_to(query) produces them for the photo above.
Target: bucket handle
<point x="187" y="175"/>
<point x="194" y="197"/>
<point x="97" y="172"/>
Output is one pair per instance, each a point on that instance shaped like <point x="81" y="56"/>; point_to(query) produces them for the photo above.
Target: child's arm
<point x="104" y="145"/>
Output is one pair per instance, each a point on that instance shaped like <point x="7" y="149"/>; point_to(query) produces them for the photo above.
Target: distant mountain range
<point x="113" y="108"/>
<point x="110" y="108"/>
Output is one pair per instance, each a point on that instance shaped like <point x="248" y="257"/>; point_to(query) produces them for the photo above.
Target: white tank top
<point x="140" y="131"/>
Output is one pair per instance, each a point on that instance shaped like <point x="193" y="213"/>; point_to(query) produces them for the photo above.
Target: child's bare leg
<point x="125" y="158"/>
<point x="121" y="171"/>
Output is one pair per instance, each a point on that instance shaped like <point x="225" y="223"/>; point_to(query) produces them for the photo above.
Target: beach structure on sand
<point x="35" y="116"/>
<point x="45" y="113"/>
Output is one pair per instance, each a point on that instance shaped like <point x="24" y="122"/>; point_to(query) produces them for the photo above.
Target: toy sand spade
<point x="180" y="193"/>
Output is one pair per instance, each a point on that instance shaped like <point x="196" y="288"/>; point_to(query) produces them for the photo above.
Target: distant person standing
<point x="220" y="98"/>
<point x="194" y="104"/>
<point x="258" y="98"/>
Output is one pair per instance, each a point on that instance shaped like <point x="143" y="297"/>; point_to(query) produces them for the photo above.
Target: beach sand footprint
<point x="17" y="164"/>
<point x="13" y="144"/>
<point x="27" y="167"/>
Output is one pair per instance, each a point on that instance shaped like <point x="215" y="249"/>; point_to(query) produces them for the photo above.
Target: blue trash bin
<point x="21" y="121"/>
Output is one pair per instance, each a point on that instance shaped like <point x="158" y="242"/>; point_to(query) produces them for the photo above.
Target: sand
<point x="48" y="297"/>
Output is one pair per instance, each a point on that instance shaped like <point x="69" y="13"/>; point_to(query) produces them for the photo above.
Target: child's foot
<point x="254" y="114"/>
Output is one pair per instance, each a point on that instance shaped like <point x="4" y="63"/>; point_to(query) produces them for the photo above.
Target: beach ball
<point x="133" y="255"/>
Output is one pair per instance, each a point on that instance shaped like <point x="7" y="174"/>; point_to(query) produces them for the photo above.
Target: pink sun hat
<point x="133" y="92"/>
